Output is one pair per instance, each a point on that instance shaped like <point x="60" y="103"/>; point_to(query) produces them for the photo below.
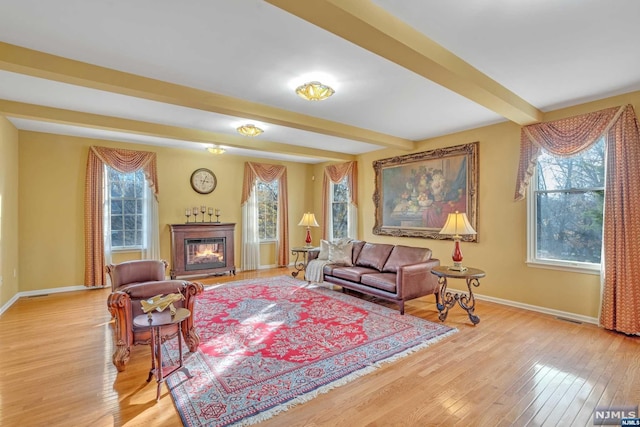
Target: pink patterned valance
<point x="335" y="174"/>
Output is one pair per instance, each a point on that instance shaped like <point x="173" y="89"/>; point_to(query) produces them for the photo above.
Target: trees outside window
<point x="125" y="201"/>
<point x="566" y="210"/>
<point x="339" y="219"/>
<point x="267" y="195"/>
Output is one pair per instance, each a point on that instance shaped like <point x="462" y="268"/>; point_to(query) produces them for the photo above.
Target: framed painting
<point x="415" y="193"/>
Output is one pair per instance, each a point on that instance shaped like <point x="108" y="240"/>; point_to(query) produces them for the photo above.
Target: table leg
<point x="469" y="302"/>
<point x="159" y="377"/>
<point x="449" y="299"/>
<point x="153" y="354"/>
<point x="299" y="265"/>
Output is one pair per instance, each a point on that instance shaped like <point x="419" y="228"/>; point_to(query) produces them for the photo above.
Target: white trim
<point x="536" y="308"/>
<point x="40" y="292"/>
<point x="574" y="267"/>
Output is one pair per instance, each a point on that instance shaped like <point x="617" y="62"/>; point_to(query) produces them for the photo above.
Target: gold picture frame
<point x="414" y="193"/>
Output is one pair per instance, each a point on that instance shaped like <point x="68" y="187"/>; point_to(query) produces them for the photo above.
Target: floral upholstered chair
<point x="134" y="281"/>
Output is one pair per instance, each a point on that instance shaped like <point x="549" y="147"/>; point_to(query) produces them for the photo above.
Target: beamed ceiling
<point x="186" y="74"/>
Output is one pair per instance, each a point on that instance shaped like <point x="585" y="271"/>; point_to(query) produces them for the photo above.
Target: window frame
<point x="274" y="239"/>
<point x="532" y="259"/>
<point x="143" y="200"/>
<point x="330" y="233"/>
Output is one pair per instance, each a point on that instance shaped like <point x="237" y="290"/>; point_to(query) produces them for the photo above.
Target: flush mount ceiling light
<point x="314" y="91"/>
<point x="249" y="130"/>
<point x="216" y="150"/>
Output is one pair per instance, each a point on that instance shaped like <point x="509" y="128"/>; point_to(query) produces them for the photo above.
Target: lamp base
<point x="457" y="267"/>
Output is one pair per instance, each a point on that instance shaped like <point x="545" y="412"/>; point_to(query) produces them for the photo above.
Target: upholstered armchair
<point x="133" y="281"/>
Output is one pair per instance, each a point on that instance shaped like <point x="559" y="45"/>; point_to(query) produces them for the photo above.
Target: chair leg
<point x="191" y="338"/>
<point x="121" y="356"/>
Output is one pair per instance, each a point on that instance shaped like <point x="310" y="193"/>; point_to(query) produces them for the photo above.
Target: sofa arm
<point x="416" y="280"/>
<point x="312" y="254"/>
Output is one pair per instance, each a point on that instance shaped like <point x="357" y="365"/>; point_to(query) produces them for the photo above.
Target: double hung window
<point x="267" y="197"/>
<point x="125" y="209"/>
<point x="566" y="210"/>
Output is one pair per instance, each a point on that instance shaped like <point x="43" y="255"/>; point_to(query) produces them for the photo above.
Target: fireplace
<point x="202" y="254"/>
<point x="202" y="249"/>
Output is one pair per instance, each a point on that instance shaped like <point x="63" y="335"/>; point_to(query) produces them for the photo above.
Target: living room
<point x="42" y="217"/>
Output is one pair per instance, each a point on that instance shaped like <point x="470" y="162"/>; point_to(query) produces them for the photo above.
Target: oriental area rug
<point x="270" y="343"/>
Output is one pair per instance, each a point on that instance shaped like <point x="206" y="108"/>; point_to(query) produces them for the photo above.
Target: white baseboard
<point x="544" y="310"/>
<point x="41" y="292"/>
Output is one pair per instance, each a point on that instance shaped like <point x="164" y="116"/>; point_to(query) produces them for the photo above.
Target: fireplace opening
<point x="203" y="254"/>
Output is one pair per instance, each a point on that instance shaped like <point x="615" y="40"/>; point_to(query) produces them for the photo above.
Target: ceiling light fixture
<point x="249" y="130"/>
<point x="314" y="91"/>
<point x="216" y="150"/>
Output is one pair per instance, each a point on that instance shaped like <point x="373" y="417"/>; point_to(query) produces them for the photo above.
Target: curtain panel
<point x="125" y="161"/>
<point x="335" y="174"/>
<point x="267" y="173"/>
<point x="621" y="228"/>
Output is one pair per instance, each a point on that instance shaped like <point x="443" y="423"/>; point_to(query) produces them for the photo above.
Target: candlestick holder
<point x="187" y="213"/>
<point x="210" y="215"/>
<point x="218" y="218"/>
<point x="203" y="209"/>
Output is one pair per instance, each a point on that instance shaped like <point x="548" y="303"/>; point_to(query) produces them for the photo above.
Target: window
<point x="566" y="210"/>
<point x="126" y="200"/>
<point x="341" y="219"/>
<point x="267" y="193"/>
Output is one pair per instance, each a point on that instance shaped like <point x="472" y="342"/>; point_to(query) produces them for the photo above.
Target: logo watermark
<point x="625" y="415"/>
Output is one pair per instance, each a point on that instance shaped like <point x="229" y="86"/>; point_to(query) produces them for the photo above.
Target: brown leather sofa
<point x="134" y="281"/>
<point x="391" y="272"/>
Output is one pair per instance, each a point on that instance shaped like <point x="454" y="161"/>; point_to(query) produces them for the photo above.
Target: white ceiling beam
<point x="116" y="124"/>
<point x="374" y="29"/>
<point x="38" y="64"/>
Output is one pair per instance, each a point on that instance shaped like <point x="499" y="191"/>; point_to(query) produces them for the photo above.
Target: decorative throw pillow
<point x="340" y="253"/>
<point x="324" y="250"/>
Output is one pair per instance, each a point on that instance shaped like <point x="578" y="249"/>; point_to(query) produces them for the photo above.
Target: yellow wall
<point x="52" y="170"/>
<point x="8" y="210"/>
<point x="501" y="248"/>
<point x="51" y="175"/>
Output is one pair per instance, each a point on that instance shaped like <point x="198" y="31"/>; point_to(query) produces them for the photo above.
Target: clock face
<point x="203" y="181"/>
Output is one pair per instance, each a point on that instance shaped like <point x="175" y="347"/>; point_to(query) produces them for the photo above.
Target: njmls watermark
<point x="616" y="416"/>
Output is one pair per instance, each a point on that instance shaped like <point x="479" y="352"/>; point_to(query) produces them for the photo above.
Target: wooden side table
<point x="155" y="323"/>
<point x="302" y="259"/>
<point x="448" y="299"/>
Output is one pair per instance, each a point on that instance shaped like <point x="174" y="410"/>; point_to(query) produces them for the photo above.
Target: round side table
<point x="155" y="322"/>
<point x="448" y="299"/>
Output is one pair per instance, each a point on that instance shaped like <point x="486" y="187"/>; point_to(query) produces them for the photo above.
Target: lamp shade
<point x="457" y="225"/>
<point x="308" y="220"/>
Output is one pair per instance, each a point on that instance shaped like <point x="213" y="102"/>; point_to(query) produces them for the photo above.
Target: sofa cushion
<point x="384" y="281"/>
<point x="340" y="253"/>
<point x="352" y="274"/>
<point x="357" y="248"/>
<point x="374" y="255"/>
<point x="405" y="255"/>
<point x="324" y="250"/>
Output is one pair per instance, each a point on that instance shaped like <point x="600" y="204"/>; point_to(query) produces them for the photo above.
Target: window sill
<point x="124" y="250"/>
<point x="576" y="267"/>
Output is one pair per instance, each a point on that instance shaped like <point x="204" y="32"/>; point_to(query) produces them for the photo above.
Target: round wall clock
<point x="203" y="181"/>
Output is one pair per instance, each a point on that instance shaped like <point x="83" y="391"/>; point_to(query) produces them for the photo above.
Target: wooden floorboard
<point x="515" y="368"/>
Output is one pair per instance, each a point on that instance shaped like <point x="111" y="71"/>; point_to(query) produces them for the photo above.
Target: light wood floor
<point x="515" y="368"/>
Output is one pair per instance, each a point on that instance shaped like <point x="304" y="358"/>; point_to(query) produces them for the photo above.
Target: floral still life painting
<point x="415" y="193"/>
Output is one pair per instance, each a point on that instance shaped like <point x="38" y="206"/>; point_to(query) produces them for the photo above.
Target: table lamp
<point x="308" y="220"/>
<point x="457" y="225"/>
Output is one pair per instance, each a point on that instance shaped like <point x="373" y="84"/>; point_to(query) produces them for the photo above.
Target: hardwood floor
<point x="515" y="368"/>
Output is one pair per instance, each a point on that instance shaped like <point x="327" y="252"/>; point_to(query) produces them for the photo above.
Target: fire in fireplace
<point x="203" y="254"/>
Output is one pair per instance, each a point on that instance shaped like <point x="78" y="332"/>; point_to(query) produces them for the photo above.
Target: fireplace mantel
<point x="215" y="234"/>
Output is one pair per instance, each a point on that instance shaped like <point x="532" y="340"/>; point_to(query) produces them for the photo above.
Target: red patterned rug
<point x="268" y="344"/>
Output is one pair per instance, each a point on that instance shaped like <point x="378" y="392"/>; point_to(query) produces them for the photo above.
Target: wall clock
<point x="203" y="181"/>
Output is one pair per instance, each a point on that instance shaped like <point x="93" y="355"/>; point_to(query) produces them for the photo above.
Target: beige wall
<point x="51" y="175"/>
<point x="8" y="210"/>
<point x="52" y="169"/>
<point x="501" y="248"/>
